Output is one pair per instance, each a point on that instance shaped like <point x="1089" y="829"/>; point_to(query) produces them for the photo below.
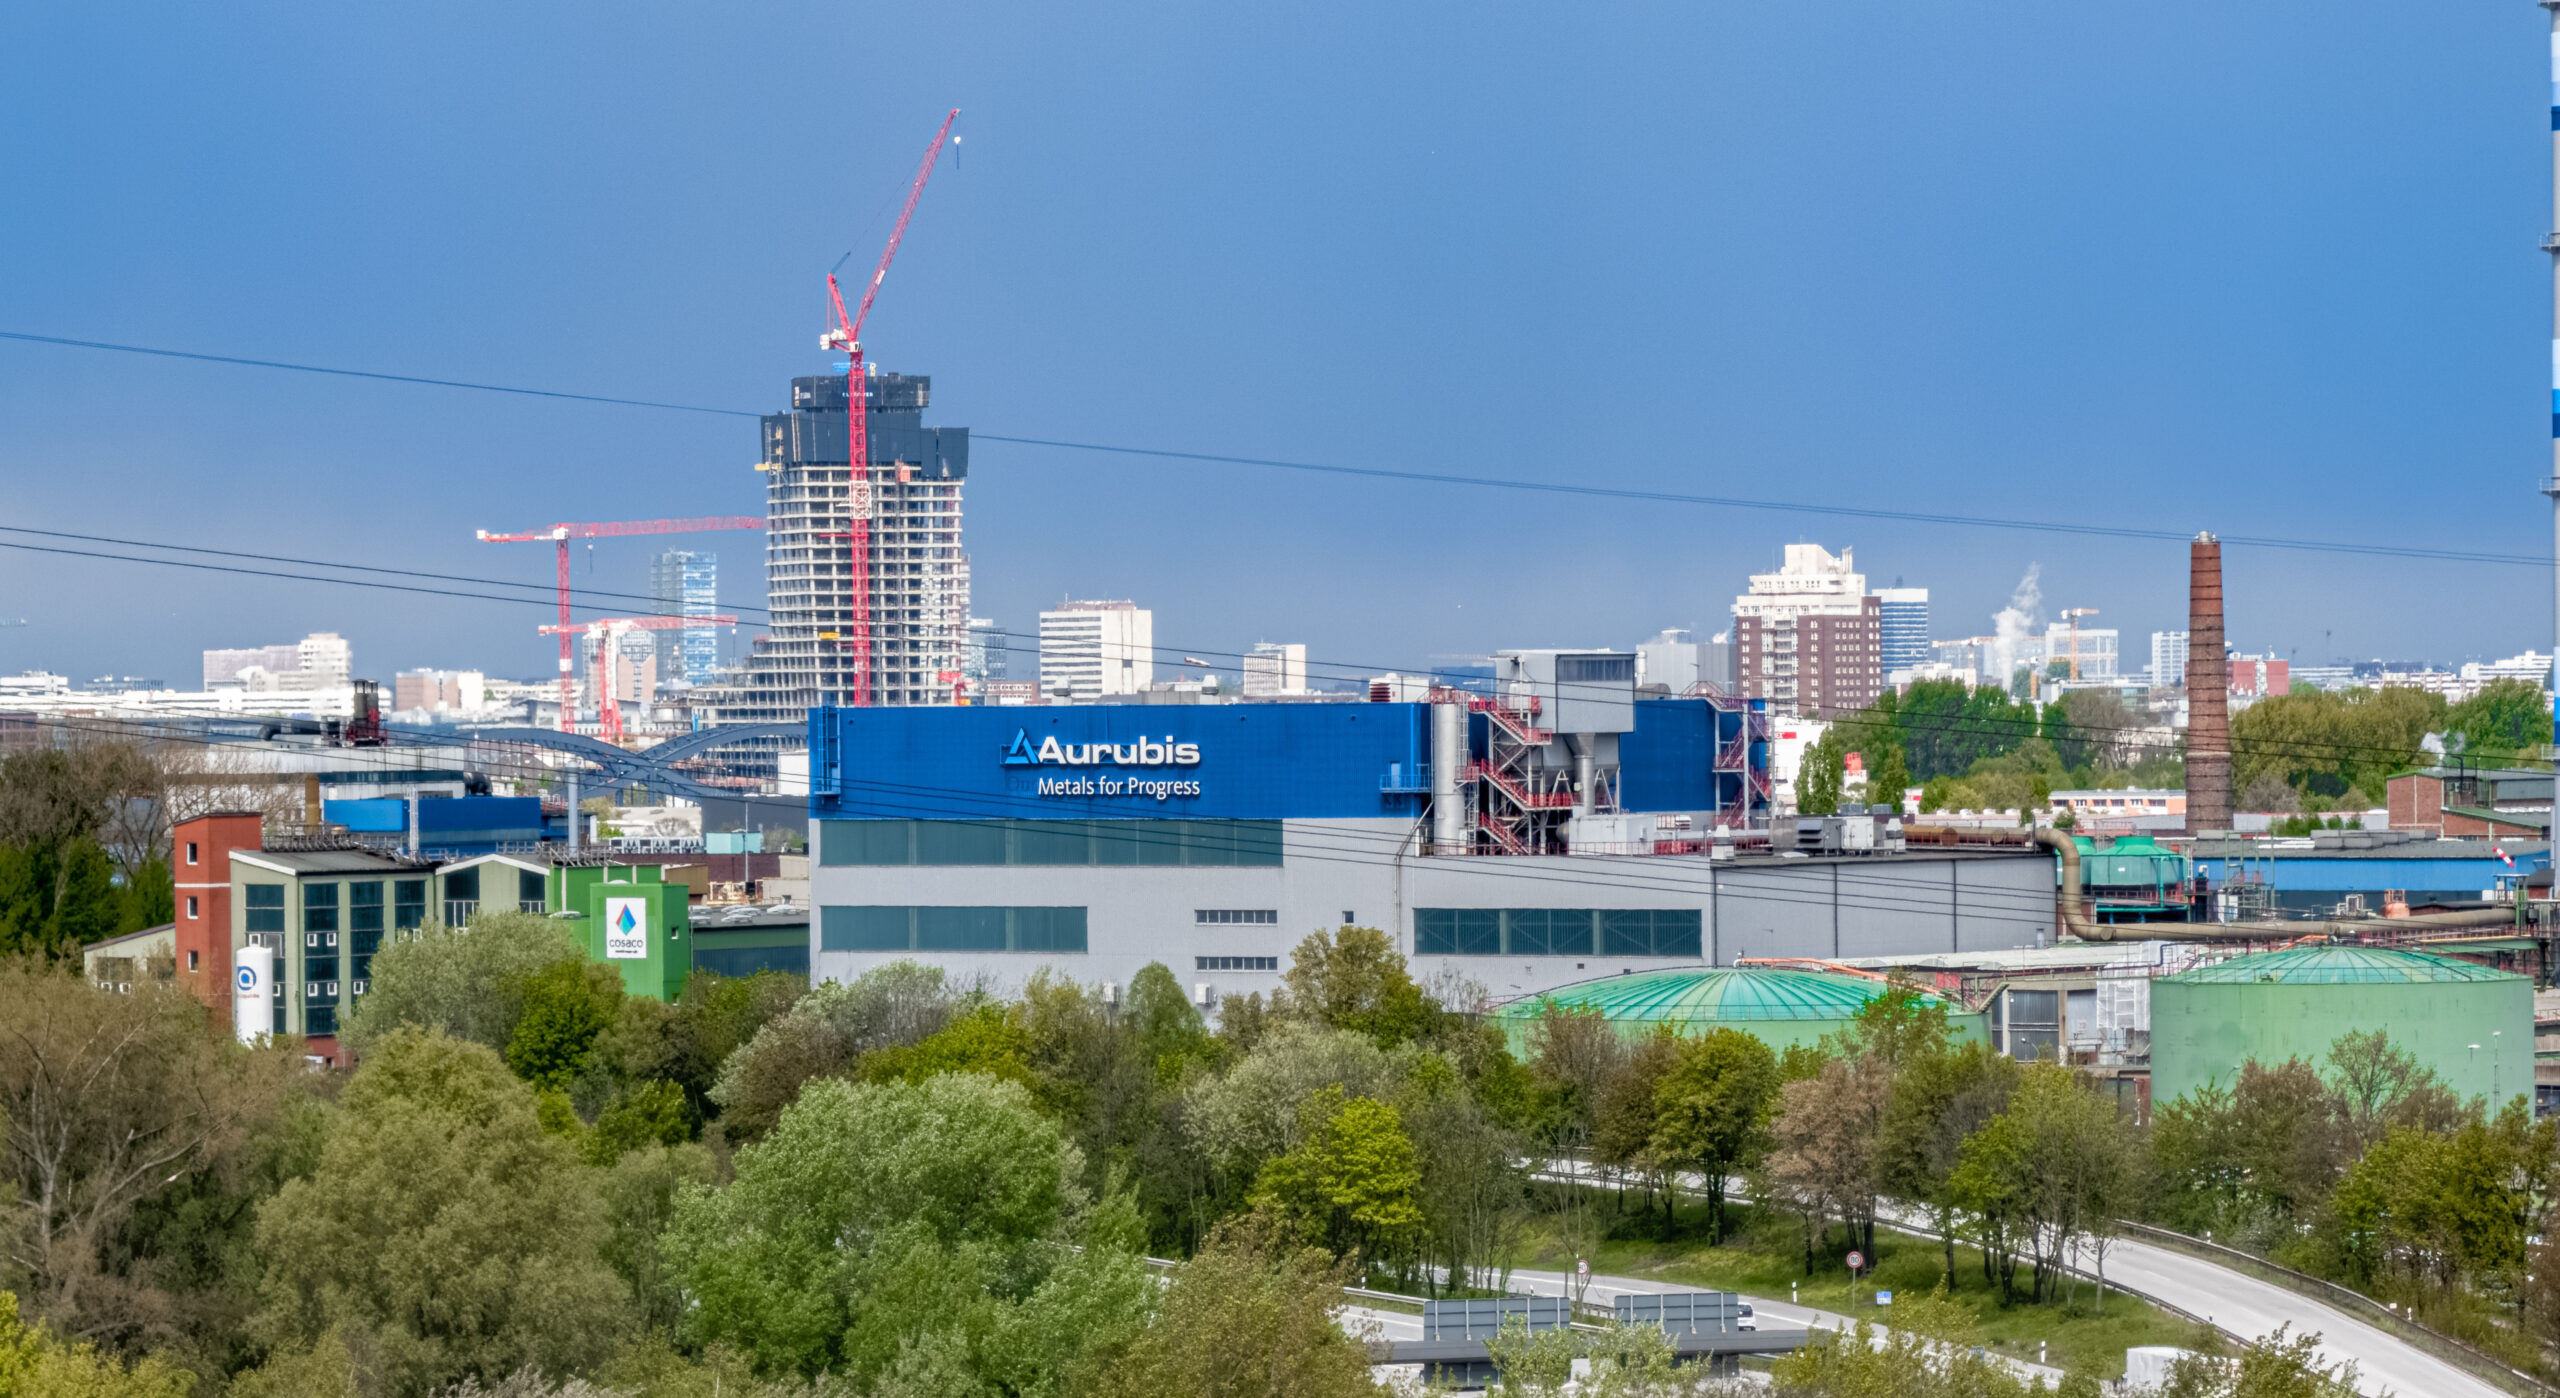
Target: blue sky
<point x="2268" y="269"/>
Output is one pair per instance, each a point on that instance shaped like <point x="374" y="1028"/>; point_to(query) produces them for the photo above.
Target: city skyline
<point x="1731" y="303"/>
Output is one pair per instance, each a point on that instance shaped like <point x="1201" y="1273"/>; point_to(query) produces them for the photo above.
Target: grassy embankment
<point x="1766" y="1253"/>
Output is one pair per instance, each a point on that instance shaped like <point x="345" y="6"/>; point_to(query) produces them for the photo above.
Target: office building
<point x="1902" y="622"/>
<point x="453" y="691"/>
<point x="321" y="660"/>
<point x="1272" y="669"/>
<point x="2095" y="647"/>
<point x="918" y="575"/>
<point x="628" y="666"/>
<point x="2168" y="659"/>
<point x="2533" y="667"/>
<point x="314" y="912"/>
<point x="1092" y="649"/>
<point x="984" y="657"/>
<point x="1808" y="638"/>
<point x="1090" y="840"/>
<point x="686" y="583"/>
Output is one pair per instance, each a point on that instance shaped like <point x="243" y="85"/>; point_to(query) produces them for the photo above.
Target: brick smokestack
<point x="2208" y="692"/>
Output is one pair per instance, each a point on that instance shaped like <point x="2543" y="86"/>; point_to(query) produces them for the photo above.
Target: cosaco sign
<point x="1144" y="752"/>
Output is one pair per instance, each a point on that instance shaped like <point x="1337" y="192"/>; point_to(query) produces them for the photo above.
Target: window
<point x="1595" y="669"/>
<point x="191" y="907"/>
<point x="191" y="956"/>
<point x="1457" y="932"/>
<point x="1225" y="844"/>
<point x="191" y="851"/>
<point x="951" y="929"/>
<point x="1235" y="963"/>
<point x="409" y="903"/>
<point x="1233" y="917"/>
<point x="1558" y="932"/>
<point x="364" y="907"/>
<point x="266" y="907"/>
<point x="320" y="909"/>
<point x="533" y="892"/>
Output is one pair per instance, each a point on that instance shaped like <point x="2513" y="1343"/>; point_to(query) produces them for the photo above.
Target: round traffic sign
<point x="1857" y="1260"/>
<point x="1582" y="1267"/>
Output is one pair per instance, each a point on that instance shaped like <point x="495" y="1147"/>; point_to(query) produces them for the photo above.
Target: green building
<point x="1780" y="1007"/>
<point x="634" y="921"/>
<point x="2472" y="1025"/>
<point x="324" y="912"/>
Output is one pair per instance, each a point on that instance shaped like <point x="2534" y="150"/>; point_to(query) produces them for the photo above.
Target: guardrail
<point x="2462" y="1354"/>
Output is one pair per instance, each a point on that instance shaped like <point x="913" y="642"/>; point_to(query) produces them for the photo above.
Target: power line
<point x="1785" y="506"/>
<point x="549" y="591"/>
<point x="1322" y="845"/>
<point x="2020" y="727"/>
<point x="367" y="374"/>
<point x="1418" y="477"/>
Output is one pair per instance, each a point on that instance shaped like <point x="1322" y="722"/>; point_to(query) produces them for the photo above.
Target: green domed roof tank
<point x="1782" y="1007"/>
<point x="2295" y="1003"/>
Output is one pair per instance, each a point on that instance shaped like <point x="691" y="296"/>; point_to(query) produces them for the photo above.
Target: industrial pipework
<point x="2076" y="920"/>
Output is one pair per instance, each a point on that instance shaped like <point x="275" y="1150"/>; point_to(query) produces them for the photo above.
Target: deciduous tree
<point x="1353" y="978"/>
<point x="1711" y="1111"/>
<point x="107" y="1101"/>
<point x="444" y="1226"/>
<point x="464" y="982"/>
<point x="1350" y="1183"/>
<point x="824" y="1034"/>
<point x="1251" y="1316"/>
<point x="1822" y="1158"/>
<point x="873" y="1214"/>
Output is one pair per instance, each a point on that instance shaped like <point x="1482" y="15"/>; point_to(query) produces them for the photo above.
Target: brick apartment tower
<point x="1809" y="638"/>
<point x="2208" y="692"/>
<point x="200" y="853"/>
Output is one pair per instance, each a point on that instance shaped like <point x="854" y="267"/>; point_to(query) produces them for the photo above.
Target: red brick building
<point x="2494" y="803"/>
<point x="200" y="856"/>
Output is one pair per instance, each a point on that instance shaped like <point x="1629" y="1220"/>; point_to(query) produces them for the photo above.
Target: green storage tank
<point x="2471" y="1024"/>
<point x="1780" y="1007"/>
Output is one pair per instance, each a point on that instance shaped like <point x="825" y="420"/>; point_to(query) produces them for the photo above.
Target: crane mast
<point x="846" y="335"/>
<point x="559" y="535"/>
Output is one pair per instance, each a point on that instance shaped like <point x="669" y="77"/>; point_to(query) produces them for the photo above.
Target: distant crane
<point x="846" y="336"/>
<point x="2073" y="615"/>
<point x="608" y="633"/>
<point x="561" y="534"/>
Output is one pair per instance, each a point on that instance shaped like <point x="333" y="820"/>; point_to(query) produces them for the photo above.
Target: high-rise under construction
<point x="918" y="576"/>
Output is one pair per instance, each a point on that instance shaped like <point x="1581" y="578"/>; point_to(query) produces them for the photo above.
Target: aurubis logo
<point x="1145" y="752"/>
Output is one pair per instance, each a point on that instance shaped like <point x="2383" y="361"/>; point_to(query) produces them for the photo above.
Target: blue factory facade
<point x="1219" y="761"/>
<point x="1486" y="836"/>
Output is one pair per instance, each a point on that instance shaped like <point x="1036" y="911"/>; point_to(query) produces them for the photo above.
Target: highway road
<point x="2243" y="1306"/>
<point x="2236" y="1303"/>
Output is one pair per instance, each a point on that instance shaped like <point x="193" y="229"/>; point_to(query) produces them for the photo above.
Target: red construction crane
<point x="561" y="534"/>
<point x="608" y="630"/>
<point x="846" y="336"/>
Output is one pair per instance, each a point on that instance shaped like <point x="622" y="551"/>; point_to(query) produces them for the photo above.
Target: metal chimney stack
<point x="2208" y="692"/>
